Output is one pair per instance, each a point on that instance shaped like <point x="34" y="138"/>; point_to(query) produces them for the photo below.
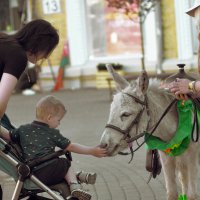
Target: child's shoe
<point x="86" y="177"/>
<point x="77" y="192"/>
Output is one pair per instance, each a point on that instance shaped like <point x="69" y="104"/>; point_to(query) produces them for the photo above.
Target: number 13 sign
<point x="51" y="6"/>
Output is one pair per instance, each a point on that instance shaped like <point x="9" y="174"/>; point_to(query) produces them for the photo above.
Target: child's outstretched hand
<point x="96" y="151"/>
<point x="99" y="152"/>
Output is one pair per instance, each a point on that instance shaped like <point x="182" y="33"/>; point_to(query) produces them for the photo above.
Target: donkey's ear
<point x="119" y="80"/>
<point x="142" y="83"/>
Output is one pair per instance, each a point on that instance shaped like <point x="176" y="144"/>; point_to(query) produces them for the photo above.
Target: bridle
<point x="134" y="122"/>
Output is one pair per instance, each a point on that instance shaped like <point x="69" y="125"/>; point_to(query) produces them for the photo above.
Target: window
<point x="194" y="31"/>
<point x="111" y="33"/>
<point x="10" y="14"/>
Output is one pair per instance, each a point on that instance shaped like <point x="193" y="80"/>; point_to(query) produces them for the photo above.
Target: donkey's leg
<point x="183" y="177"/>
<point x="193" y="158"/>
<point x="168" y="164"/>
<point x="192" y="179"/>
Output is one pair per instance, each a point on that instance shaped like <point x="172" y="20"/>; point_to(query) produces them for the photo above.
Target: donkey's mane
<point x="154" y="86"/>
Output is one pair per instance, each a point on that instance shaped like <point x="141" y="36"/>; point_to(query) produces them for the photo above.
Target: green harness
<point x="179" y="143"/>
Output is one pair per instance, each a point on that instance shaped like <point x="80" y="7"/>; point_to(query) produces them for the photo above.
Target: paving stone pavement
<point x="87" y="113"/>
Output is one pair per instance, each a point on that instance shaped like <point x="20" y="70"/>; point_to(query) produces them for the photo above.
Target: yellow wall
<point x="59" y="21"/>
<point x="169" y="29"/>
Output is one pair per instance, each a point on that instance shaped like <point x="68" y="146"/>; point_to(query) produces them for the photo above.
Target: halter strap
<point x="126" y="132"/>
<point x="137" y="99"/>
<point x="134" y="122"/>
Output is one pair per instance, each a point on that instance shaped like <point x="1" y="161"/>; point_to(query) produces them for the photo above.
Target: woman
<point x="35" y="41"/>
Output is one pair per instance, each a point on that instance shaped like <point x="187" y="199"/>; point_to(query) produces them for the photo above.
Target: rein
<point x="195" y="124"/>
<point x="155" y="126"/>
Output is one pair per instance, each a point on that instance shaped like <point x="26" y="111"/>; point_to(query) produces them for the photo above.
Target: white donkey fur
<point x="124" y="109"/>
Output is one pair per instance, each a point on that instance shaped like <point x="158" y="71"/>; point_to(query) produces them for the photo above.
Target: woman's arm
<point x="82" y="149"/>
<point x="4" y="133"/>
<point x="7" y="85"/>
<point x="196" y="86"/>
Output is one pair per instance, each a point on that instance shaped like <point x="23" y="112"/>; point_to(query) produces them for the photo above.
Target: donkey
<point x="146" y="102"/>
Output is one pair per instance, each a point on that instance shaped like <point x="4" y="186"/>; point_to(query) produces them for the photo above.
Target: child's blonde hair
<point x="49" y="105"/>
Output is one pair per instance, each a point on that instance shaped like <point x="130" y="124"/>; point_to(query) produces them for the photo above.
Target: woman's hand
<point x="181" y="96"/>
<point x="180" y="86"/>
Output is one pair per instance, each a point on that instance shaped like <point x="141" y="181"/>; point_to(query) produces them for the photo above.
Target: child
<point x="41" y="137"/>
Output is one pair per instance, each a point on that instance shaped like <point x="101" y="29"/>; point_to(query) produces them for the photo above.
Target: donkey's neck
<point x="157" y="103"/>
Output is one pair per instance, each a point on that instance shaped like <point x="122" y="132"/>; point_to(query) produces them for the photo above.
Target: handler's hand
<point x="180" y="86"/>
<point x="181" y="96"/>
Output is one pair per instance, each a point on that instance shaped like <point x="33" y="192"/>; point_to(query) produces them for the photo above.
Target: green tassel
<point x="182" y="197"/>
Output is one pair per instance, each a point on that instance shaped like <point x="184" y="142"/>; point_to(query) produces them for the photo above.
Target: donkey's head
<point x="128" y="115"/>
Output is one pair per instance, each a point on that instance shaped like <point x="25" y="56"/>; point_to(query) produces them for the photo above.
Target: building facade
<point x="96" y="34"/>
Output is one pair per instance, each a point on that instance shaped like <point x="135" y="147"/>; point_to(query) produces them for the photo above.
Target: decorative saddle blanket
<point x="179" y="143"/>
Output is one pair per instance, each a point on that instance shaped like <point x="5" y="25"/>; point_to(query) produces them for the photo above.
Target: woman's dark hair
<point x="37" y="36"/>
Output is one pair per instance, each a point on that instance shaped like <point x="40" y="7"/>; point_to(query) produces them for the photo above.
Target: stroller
<point x="28" y="185"/>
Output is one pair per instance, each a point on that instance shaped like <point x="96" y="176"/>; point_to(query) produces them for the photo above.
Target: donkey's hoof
<point x="172" y="197"/>
<point x="197" y="197"/>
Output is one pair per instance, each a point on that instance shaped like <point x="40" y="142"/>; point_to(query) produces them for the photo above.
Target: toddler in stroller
<point x="41" y="164"/>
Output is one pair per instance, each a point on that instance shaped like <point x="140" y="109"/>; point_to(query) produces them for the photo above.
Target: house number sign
<point x="51" y="6"/>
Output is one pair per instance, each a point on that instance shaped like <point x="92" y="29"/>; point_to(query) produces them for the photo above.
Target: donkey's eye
<point x="125" y="115"/>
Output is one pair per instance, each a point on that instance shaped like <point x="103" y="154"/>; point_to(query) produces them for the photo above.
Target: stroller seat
<point x="28" y="185"/>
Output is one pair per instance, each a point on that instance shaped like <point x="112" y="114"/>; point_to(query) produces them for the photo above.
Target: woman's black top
<point x="13" y="59"/>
